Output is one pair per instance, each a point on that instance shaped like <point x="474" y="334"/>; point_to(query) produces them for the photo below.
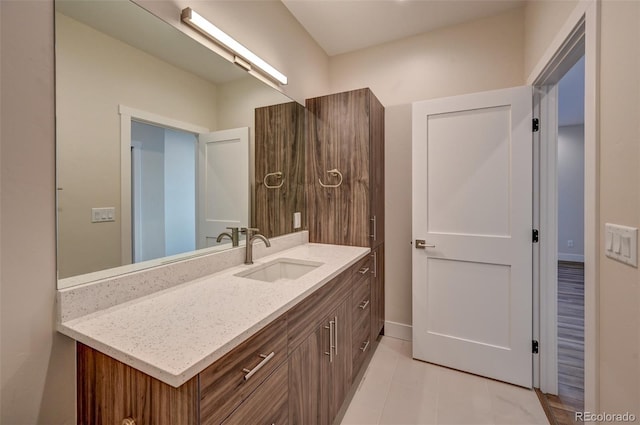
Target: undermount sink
<point x="282" y="268"/>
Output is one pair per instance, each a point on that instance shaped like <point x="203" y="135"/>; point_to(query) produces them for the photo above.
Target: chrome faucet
<point x="234" y="236"/>
<point x="252" y="235"/>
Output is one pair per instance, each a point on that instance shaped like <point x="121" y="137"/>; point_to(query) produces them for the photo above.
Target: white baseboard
<point x="576" y="258"/>
<point x="398" y="330"/>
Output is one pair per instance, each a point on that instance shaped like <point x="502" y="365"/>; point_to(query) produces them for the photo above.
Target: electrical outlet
<point x="297" y="220"/>
<point x="570" y="243"/>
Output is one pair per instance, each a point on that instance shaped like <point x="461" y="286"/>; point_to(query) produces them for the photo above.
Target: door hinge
<point x="534" y="346"/>
<point x="536" y="125"/>
<point x="535" y="236"/>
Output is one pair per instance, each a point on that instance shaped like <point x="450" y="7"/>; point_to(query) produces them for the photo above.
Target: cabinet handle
<point x="363" y="270"/>
<point x="374" y="235"/>
<point x="335" y="334"/>
<point x="365" y="346"/>
<point x="375" y="264"/>
<point x="364" y="304"/>
<point x="265" y="360"/>
<point x="331" y="332"/>
<point x="128" y="421"/>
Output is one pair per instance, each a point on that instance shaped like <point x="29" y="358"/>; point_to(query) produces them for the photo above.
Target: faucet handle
<point x="250" y="230"/>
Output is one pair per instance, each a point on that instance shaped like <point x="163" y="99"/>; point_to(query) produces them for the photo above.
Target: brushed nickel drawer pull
<point x="265" y="360"/>
<point x="363" y="270"/>
<point x="364" y="304"/>
<point x="331" y="346"/>
<point x="364" y="348"/>
<point x="375" y="264"/>
<point x="374" y="236"/>
<point x="335" y="334"/>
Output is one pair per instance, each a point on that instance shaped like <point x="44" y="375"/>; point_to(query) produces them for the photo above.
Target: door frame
<point x="583" y="22"/>
<point x="128" y="114"/>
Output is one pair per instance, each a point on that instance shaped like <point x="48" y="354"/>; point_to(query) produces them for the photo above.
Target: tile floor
<point x="399" y="390"/>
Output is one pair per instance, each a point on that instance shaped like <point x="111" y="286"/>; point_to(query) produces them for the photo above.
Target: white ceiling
<point x="341" y="26"/>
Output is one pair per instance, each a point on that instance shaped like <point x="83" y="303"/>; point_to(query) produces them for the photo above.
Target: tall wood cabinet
<point x="345" y="179"/>
<point x="279" y="168"/>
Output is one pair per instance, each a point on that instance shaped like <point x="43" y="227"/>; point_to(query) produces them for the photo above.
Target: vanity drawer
<point x="230" y="380"/>
<point x="361" y="339"/>
<point x="360" y="269"/>
<point x="361" y="298"/>
<point x="268" y="404"/>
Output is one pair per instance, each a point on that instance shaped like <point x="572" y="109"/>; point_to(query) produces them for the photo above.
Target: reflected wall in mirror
<point x="155" y="141"/>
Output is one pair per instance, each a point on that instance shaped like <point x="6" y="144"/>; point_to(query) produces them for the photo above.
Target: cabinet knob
<point x="128" y="421"/>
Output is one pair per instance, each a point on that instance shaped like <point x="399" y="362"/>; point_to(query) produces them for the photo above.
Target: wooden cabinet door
<point x="377" y="292"/>
<point x="376" y="170"/>
<point x="338" y="138"/>
<point x="304" y="379"/>
<point x="336" y="374"/>
<point x="267" y="405"/>
<point x="319" y="381"/>
<point x="279" y="148"/>
<point x="110" y="391"/>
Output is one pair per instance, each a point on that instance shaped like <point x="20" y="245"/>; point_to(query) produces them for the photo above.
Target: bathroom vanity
<point x="281" y="341"/>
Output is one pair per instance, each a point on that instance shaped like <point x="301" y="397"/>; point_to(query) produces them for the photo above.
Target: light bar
<point x="196" y="21"/>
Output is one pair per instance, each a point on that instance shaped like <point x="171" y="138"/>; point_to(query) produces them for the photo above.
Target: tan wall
<point x="543" y="19"/>
<point x="450" y="61"/>
<point x="265" y="27"/>
<point x="89" y="89"/>
<point x="480" y="55"/>
<point x="37" y="365"/>
<point x="619" y="284"/>
<point x="619" y="183"/>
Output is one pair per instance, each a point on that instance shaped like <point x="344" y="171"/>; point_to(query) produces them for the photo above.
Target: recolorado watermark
<point x="604" y="417"/>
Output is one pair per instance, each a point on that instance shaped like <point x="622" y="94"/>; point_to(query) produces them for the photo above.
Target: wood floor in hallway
<point x="570" y="398"/>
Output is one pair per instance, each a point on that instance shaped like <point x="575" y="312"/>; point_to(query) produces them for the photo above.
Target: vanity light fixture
<point x="246" y="56"/>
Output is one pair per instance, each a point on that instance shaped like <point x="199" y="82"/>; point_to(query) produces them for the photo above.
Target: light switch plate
<point x="621" y="243"/>
<point x="100" y="215"/>
<point x="297" y="220"/>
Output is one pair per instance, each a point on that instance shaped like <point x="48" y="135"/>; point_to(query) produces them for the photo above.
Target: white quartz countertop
<point x="174" y="334"/>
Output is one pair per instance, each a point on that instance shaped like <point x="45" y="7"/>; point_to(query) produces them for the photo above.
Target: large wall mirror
<point x="162" y="144"/>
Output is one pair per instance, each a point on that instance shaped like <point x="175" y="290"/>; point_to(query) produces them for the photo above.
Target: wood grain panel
<point x="376" y="178"/>
<point x="304" y="379"/>
<point x="222" y="385"/>
<point x="309" y="314"/>
<point x="266" y="405"/>
<point x="279" y="146"/>
<point x="377" y="293"/>
<point x="360" y="331"/>
<point x="109" y="391"/>
<point x="338" y="137"/>
<point x="335" y="378"/>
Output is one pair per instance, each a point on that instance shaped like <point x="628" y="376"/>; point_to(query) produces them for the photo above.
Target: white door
<point x="223" y="183"/>
<point x="472" y="205"/>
